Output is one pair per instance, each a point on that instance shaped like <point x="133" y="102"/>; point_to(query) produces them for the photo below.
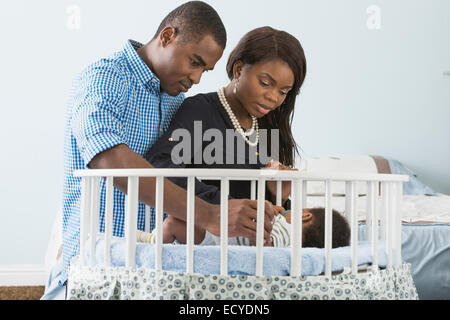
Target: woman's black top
<point x="196" y="116"/>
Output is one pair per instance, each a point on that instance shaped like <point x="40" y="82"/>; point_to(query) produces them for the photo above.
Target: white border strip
<point x="23" y="275"/>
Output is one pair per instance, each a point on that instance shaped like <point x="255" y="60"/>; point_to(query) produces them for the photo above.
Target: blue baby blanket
<point x="241" y="259"/>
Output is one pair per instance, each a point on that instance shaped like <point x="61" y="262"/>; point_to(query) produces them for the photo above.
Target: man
<point x="121" y="105"/>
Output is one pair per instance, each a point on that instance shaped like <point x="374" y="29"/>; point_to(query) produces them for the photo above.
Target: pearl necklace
<point x="236" y="123"/>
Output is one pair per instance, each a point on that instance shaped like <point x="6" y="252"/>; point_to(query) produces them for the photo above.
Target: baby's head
<point x="313" y="231"/>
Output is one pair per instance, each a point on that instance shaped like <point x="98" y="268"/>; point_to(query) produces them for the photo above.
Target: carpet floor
<point x="21" y="293"/>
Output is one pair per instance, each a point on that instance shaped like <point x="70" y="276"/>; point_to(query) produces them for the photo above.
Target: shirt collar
<point x="139" y="68"/>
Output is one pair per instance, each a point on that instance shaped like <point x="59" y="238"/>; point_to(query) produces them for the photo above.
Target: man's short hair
<point x="193" y="21"/>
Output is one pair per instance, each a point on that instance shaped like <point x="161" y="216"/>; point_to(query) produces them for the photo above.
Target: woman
<point x="266" y="70"/>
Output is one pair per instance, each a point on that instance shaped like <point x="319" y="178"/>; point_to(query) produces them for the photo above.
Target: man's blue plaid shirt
<point x="116" y="100"/>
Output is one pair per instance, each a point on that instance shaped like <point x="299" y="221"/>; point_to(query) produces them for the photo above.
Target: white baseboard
<point x="23" y="275"/>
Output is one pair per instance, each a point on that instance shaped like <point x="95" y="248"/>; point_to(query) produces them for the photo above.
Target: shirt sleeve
<point x="160" y="155"/>
<point x="96" y="120"/>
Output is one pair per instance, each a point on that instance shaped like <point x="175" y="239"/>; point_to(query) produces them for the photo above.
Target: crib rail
<point x="384" y="194"/>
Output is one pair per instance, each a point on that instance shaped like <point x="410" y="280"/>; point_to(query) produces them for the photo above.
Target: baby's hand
<point x="278" y="209"/>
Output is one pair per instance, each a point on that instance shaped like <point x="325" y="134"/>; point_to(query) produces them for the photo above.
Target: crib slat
<point x="190" y="225"/>
<point x="260" y="226"/>
<point x="84" y="215"/>
<point x="389" y="219"/>
<point x="95" y="204"/>
<point x="304" y="193"/>
<point x="159" y="203"/>
<point x="131" y="220"/>
<point x="279" y="196"/>
<point x="224" y="191"/>
<point x="372" y="212"/>
<point x="398" y="223"/>
<point x="253" y="190"/>
<point x="394" y="223"/>
<point x="350" y="208"/>
<point x="368" y="216"/>
<point x="383" y="210"/>
<point x="147" y="219"/>
<point x="328" y="227"/>
<point x="109" y="207"/>
<point x="296" y="223"/>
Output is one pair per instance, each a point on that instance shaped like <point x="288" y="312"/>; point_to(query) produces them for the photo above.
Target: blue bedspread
<point x="241" y="259"/>
<point x="427" y="248"/>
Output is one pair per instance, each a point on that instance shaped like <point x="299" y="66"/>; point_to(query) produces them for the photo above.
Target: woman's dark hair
<point x="314" y="234"/>
<point x="262" y="45"/>
<point x="194" y="20"/>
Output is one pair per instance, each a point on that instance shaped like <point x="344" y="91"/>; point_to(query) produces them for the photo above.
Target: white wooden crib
<point x="89" y="279"/>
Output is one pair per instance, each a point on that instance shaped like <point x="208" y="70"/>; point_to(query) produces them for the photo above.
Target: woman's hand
<point x="272" y="185"/>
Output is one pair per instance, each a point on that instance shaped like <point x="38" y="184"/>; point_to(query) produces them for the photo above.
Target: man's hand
<point x="242" y="214"/>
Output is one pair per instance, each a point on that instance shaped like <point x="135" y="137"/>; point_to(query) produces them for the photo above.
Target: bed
<point x="425" y="218"/>
<point x="370" y="268"/>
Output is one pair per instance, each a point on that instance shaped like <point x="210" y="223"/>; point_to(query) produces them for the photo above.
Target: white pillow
<point x="339" y="164"/>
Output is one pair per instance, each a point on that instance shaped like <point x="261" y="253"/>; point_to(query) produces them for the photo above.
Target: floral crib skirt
<point x="121" y="283"/>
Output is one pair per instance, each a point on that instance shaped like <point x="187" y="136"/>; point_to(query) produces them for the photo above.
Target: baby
<point x="313" y="231"/>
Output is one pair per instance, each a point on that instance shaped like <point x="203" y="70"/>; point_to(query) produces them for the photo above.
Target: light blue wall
<point x="368" y="91"/>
